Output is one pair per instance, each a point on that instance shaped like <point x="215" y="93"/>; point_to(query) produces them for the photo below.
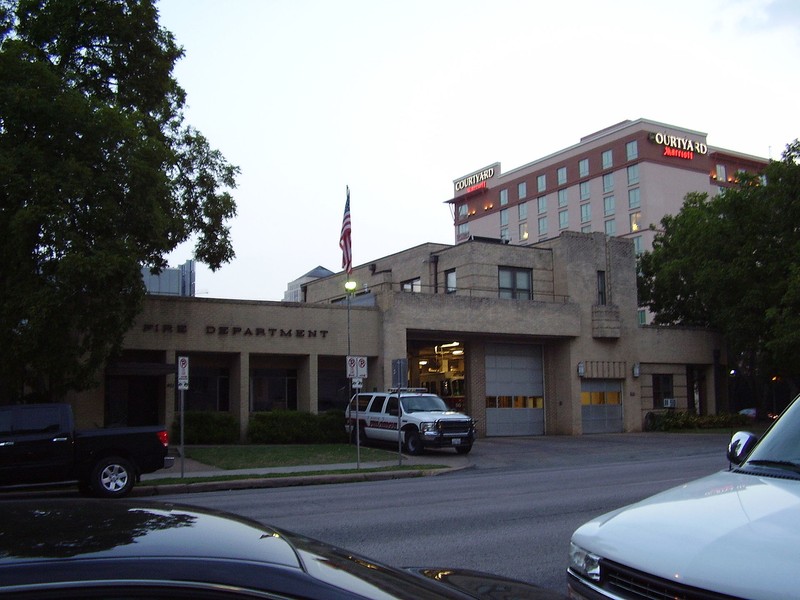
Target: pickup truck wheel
<point x="413" y="443"/>
<point x="112" y="477"/>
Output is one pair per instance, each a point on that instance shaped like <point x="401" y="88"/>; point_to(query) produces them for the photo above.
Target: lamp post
<point x="350" y="287"/>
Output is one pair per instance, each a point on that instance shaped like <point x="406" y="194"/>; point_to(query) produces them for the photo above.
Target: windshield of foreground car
<point x="780" y="446"/>
<point x="423" y="404"/>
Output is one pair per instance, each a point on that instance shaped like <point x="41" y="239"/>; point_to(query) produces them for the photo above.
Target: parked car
<point x="734" y="534"/>
<point x="39" y="444"/>
<point x="89" y="548"/>
<point x="424" y="420"/>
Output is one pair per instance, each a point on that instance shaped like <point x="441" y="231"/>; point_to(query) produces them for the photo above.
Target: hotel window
<point x="632" y="150"/>
<point x="608" y="159"/>
<point x="522" y="211"/>
<point x="522" y="190"/>
<point x="638" y="248"/>
<point x="503" y="197"/>
<point x="583" y="168"/>
<point x="514" y="283"/>
<point x="609" y="206"/>
<point x="562" y="175"/>
<point x="450" y="281"/>
<point x="562" y="198"/>
<point x="601" y="288"/>
<point x="586" y="213"/>
<point x="412" y="285"/>
<point x="586" y="229"/>
<point x="636" y="218"/>
<point x="721" y="173"/>
<point x="584" y="187"/>
<point x="634" y="199"/>
<point x="541" y="183"/>
<point x="563" y="219"/>
<point x="542" y="204"/>
<point x="463" y="210"/>
<point x="608" y="182"/>
<point x="611" y="227"/>
<point x="633" y="174"/>
<point x="504" y="235"/>
<point x="542" y="225"/>
<point x="523" y="231"/>
<point x="642" y="314"/>
<point x="463" y="230"/>
<point x="503" y="217"/>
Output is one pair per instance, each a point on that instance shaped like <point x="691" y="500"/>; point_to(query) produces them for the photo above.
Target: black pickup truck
<point x="39" y="444"/>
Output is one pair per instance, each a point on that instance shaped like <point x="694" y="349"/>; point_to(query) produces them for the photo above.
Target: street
<point x="512" y="512"/>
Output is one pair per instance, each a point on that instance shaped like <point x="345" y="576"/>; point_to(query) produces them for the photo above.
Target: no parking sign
<point x="356" y="367"/>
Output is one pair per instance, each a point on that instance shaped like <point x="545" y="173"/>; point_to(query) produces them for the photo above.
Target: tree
<point x="99" y="177"/>
<point x="732" y="263"/>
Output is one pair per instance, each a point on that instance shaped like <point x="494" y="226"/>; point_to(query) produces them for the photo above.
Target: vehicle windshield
<point x="423" y="404"/>
<point x="781" y="444"/>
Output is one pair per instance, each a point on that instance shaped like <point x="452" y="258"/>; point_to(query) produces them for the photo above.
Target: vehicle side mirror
<point x="742" y="442"/>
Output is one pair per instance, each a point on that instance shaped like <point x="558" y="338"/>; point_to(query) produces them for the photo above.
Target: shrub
<point x="206" y="427"/>
<point x="295" y="427"/>
<point x="679" y="420"/>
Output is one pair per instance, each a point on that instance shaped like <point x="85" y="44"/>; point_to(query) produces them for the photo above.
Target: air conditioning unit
<point x="669" y="402"/>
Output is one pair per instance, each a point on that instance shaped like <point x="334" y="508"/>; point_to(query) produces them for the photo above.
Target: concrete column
<point x="475" y="377"/>
<point x="240" y="392"/>
<point x="171" y="392"/>
<point x="308" y="385"/>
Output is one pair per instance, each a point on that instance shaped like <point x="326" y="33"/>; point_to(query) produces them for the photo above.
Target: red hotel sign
<point x="678" y="147"/>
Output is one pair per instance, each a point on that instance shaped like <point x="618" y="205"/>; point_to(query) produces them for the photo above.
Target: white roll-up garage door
<point x="514" y="390"/>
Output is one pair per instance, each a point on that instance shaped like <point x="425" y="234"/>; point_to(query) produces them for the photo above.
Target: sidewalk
<point x="290" y="476"/>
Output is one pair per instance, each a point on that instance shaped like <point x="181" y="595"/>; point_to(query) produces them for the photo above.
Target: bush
<point x="206" y="427"/>
<point x="295" y="427"/>
<point x="678" y="420"/>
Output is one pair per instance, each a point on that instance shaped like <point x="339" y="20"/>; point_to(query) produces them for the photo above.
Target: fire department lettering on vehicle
<point x="423" y="419"/>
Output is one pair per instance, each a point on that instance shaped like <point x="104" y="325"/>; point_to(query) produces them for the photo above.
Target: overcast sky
<point x="398" y="98"/>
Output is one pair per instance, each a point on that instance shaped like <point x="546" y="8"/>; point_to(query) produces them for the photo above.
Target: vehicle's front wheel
<point x="112" y="477"/>
<point x="413" y="443"/>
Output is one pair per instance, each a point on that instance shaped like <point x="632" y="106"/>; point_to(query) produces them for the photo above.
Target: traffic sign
<point x="183" y="372"/>
<point x="356" y="367"/>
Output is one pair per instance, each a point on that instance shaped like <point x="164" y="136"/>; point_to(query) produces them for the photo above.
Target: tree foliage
<point x="732" y="262"/>
<point x="99" y="177"/>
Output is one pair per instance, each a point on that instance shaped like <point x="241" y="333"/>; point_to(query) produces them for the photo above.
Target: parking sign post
<point x="183" y="385"/>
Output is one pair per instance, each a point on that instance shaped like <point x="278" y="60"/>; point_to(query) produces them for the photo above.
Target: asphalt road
<point x="511" y="512"/>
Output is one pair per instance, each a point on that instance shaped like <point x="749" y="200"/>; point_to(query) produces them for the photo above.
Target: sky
<point x="398" y="98"/>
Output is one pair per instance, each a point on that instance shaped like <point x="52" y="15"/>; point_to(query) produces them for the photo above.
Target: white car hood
<point x="731" y="533"/>
<point x="424" y="416"/>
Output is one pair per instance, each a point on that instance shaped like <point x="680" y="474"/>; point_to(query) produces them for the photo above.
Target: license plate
<point x="456" y="441"/>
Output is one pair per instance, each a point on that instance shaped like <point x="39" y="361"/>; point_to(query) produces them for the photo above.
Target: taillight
<point x="163" y="436"/>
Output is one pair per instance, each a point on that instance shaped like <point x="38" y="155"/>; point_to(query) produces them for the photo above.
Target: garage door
<point x="514" y="390"/>
<point x="601" y="405"/>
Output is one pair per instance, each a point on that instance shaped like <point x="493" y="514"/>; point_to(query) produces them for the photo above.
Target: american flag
<point x="344" y="240"/>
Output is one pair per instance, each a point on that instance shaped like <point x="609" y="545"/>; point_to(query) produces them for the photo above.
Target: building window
<point x="562" y="198"/>
<point x="611" y="227"/>
<point x="504" y="235"/>
<point x="608" y="182"/>
<point x="634" y="200"/>
<point x="721" y="173"/>
<point x="636" y="218"/>
<point x="503" y="217"/>
<point x="583" y="168"/>
<point x="503" y="197"/>
<point x="463" y="230"/>
<point x="271" y="389"/>
<point x="601" y="288"/>
<point x="542" y="225"/>
<point x="632" y="150"/>
<point x="609" y="206"/>
<point x="562" y="175"/>
<point x="563" y="219"/>
<point x="584" y="189"/>
<point x="633" y="174"/>
<point x="523" y="231"/>
<point x="542" y="202"/>
<point x="522" y="210"/>
<point x="586" y="213"/>
<point x="522" y="190"/>
<point x="642" y="314"/>
<point x="412" y="285"/>
<point x="586" y="229"/>
<point x="638" y="248"/>
<point x="662" y="389"/>
<point x="514" y="283"/>
<point x="450" y="281"/>
<point x="608" y="159"/>
<point x="541" y="183"/>
<point x="463" y="210"/>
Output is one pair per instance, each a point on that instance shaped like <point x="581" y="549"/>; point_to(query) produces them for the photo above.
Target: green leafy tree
<point x="732" y="263"/>
<point x="99" y="177"/>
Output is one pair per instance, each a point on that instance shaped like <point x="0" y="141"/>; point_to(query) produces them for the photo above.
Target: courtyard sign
<point x="679" y="147"/>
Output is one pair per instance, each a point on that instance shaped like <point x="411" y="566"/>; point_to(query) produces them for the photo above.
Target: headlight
<point x="584" y="563"/>
<point x="427" y="427"/>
